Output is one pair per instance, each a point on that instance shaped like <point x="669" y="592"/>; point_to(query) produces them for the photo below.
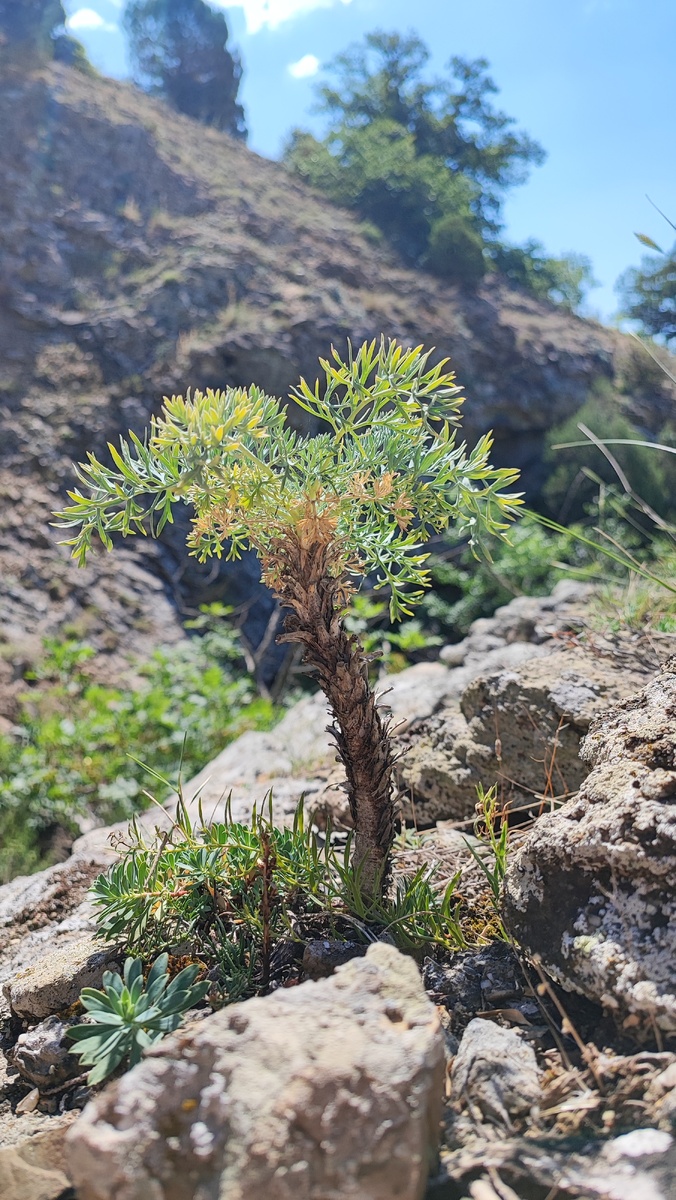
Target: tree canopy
<point x="649" y="294"/>
<point x="179" y="50"/>
<point x="37" y="29"/>
<point x="450" y="119"/>
<point x="427" y="160"/>
<point x="565" y="279"/>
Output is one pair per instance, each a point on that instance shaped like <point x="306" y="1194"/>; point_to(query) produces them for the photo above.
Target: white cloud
<point x="271" y="13"/>
<point x="87" y="19"/>
<point x="305" y="67"/>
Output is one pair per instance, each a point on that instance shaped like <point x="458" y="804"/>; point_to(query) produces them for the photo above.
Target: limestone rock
<point x="32" y="1163"/>
<point x="593" y="888"/>
<point x="496" y="1073"/>
<point x="42" y="917"/>
<point x="518" y="725"/>
<point x="329" y="1089"/>
<point x="42" y="1054"/>
<point x="55" y="981"/>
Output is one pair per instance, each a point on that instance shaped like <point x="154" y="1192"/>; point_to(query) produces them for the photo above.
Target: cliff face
<point x="143" y="254"/>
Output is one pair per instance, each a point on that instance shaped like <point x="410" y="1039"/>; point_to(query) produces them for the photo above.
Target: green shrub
<point x="530" y="563"/>
<point x="71" y="754"/>
<point x="573" y="483"/>
<point x="232" y="892"/>
<point x="455" y="250"/>
<point x="322" y="514"/>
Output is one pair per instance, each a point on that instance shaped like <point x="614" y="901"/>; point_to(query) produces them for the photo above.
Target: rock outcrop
<point x="592" y="891"/>
<point x="46" y="930"/>
<point x="524" y="692"/>
<point x="329" y="1089"/>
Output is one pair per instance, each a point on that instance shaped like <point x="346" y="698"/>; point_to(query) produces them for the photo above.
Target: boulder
<point x="32" y="1163"/>
<point x="332" y="1089"/>
<point x="46" y="931"/>
<point x="592" y="890"/>
<point x="55" y="981"/>
<point x="516" y="724"/>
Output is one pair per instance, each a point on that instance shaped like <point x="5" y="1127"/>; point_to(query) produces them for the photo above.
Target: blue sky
<point x="592" y="80"/>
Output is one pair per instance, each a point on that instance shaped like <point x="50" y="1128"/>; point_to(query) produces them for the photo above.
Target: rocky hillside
<point x="143" y="253"/>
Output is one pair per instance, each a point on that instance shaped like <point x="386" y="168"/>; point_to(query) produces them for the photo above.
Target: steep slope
<point x="142" y="254"/>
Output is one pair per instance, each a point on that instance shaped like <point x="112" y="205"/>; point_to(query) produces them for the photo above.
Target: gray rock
<point x="495" y="1073"/>
<point x="55" y="981"/>
<point x="518" y="726"/>
<point x="32" y="1163"/>
<point x="592" y="890"/>
<point x="42" y="1054"/>
<point x="321" y="956"/>
<point x="42" y="916"/>
<point x="329" y="1089"/>
<point x="474" y="981"/>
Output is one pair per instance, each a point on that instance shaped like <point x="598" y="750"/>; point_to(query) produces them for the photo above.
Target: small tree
<point x="321" y="513"/>
<point x="180" y="51"/>
<point x="407" y="151"/>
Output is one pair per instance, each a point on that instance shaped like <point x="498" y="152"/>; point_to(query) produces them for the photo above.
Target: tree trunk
<point x="305" y="585"/>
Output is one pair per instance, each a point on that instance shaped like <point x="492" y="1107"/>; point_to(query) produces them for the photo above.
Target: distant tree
<point x="36" y="30"/>
<point x="179" y="51"/>
<point x="428" y="161"/>
<point x="648" y="292"/>
<point x="26" y="26"/>
<point x="378" y="172"/>
<point x="67" y="49"/>
<point x="564" y="280"/>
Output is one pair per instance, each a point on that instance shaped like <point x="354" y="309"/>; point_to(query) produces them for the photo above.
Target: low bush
<point x="243" y="899"/>
<point x="76" y="747"/>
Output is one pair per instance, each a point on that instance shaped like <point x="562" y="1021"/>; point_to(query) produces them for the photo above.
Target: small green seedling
<point x="127" y="1017"/>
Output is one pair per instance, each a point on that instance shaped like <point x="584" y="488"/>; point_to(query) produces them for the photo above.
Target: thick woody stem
<point x="304" y="584"/>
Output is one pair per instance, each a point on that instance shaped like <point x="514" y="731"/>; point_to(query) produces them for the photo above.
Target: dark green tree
<point x="564" y="280"/>
<point x="428" y="160"/>
<point x="179" y="50"/>
<point x="648" y="294"/>
<point x="35" y="29"/>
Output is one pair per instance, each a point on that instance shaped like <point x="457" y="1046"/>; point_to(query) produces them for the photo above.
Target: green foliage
<point x="233" y="892"/>
<point x="35" y="29"/>
<point x="378" y="171"/>
<point x="529" y="563"/>
<point x="387" y="474"/>
<point x="641" y="605"/>
<point x="455" y="250"/>
<point x="68" y="50"/>
<point x="426" y="160"/>
<point x="578" y="470"/>
<point x="70" y="754"/>
<point x="492" y="830"/>
<point x="393" y="648"/>
<point x="128" y="1017"/>
<point x="179" y="51"/>
<point x="648" y="294"/>
<point x="564" y="280"/>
